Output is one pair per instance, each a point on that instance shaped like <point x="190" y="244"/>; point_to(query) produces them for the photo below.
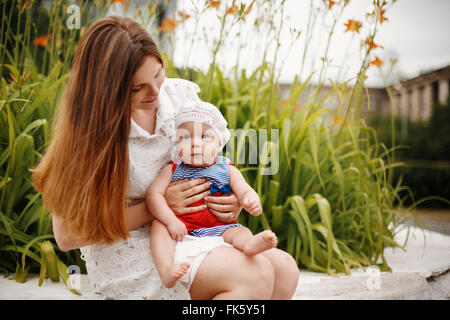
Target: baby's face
<point x="197" y="143"/>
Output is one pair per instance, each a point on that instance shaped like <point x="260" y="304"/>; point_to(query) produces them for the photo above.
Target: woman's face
<point x="146" y="83"/>
<point x="197" y="143"/>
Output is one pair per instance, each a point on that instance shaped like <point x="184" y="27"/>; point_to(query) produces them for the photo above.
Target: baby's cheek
<point x="212" y="152"/>
<point x="180" y="152"/>
<point x="183" y="148"/>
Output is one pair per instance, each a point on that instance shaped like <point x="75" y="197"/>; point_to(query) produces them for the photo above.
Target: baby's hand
<point x="177" y="229"/>
<point x="252" y="205"/>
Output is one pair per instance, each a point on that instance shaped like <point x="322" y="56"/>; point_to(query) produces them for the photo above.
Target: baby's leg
<point x="243" y="239"/>
<point x="163" y="252"/>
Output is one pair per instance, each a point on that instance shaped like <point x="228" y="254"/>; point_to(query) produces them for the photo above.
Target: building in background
<point x="413" y="99"/>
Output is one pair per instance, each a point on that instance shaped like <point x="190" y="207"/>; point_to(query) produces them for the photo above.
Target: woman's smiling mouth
<point x="151" y="100"/>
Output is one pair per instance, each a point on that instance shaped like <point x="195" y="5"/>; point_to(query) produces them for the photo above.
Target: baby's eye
<point x="205" y="136"/>
<point x="186" y="136"/>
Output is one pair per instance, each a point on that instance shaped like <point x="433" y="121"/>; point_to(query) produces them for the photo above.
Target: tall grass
<point x="36" y="52"/>
<point x="331" y="202"/>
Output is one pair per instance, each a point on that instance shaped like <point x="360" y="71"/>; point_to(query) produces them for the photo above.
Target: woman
<point x="113" y="132"/>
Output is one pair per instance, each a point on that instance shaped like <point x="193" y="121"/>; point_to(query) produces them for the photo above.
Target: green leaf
<point x="51" y="260"/>
<point x="62" y="269"/>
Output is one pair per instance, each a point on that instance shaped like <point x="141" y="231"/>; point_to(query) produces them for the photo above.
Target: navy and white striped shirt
<point x="217" y="173"/>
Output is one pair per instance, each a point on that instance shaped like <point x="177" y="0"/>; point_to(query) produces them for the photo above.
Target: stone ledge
<point x="420" y="272"/>
<point x="388" y="286"/>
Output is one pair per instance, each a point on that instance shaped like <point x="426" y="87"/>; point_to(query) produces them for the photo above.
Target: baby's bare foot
<point x="262" y="241"/>
<point x="173" y="273"/>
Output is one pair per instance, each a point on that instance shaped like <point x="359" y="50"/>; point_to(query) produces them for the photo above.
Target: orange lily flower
<point x="13" y="77"/>
<point x="232" y="10"/>
<point x="352" y="25"/>
<point x="285" y="103"/>
<point x="25" y="6"/>
<point x="168" y="24"/>
<point x="331" y="3"/>
<point x="337" y="119"/>
<point x="372" y="44"/>
<point x="377" y="62"/>
<point x="247" y="11"/>
<point x="214" y="4"/>
<point x="382" y="18"/>
<point x="42" y="41"/>
<point x="184" y="16"/>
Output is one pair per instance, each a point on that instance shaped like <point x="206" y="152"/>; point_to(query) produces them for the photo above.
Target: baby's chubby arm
<point x="157" y="204"/>
<point x="247" y="197"/>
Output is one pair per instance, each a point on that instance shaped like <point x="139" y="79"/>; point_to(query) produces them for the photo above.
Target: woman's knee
<point x="283" y="263"/>
<point x="289" y="266"/>
<point x="259" y="280"/>
<point x="286" y="273"/>
<point x="228" y="270"/>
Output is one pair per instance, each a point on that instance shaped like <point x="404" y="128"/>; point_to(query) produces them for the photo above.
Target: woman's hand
<point x="226" y="208"/>
<point x="180" y="194"/>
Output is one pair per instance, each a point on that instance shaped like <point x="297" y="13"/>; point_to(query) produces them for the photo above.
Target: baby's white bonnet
<point x="207" y="113"/>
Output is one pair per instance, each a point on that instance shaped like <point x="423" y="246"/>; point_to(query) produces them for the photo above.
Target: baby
<point x="201" y="134"/>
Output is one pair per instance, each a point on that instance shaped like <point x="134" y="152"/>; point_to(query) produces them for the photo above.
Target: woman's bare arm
<point x="135" y="217"/>
<point x="64" y="239"/>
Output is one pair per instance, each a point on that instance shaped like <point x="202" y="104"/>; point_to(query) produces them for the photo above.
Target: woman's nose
<point x="154" y="90"/>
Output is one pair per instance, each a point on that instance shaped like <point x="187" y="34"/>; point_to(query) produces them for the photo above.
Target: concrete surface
<point x="420" y="272"/>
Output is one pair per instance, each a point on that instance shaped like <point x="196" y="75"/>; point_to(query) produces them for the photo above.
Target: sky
<point x="418" y="31"/>
<point x="416" y="34"/>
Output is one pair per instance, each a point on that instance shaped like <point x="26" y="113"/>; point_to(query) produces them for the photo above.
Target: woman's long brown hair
<point x="83" y="175"/>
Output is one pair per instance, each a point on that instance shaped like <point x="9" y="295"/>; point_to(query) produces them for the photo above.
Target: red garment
<point x="203" y="218"/>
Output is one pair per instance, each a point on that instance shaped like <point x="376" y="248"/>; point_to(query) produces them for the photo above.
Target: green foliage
<point x="25" y="112"/>
<point x="426" y="181"/>
<point x="33" y="78"/>
<point x="422" y="140"/>
<point x="425" y="149"/>
<point x="330" y="201"/>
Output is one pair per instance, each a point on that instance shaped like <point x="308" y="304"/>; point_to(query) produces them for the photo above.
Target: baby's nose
<point x="196" y="143"/>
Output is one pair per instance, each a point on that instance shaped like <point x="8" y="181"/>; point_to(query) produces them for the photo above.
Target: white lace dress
<point x="125" y="269"/>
